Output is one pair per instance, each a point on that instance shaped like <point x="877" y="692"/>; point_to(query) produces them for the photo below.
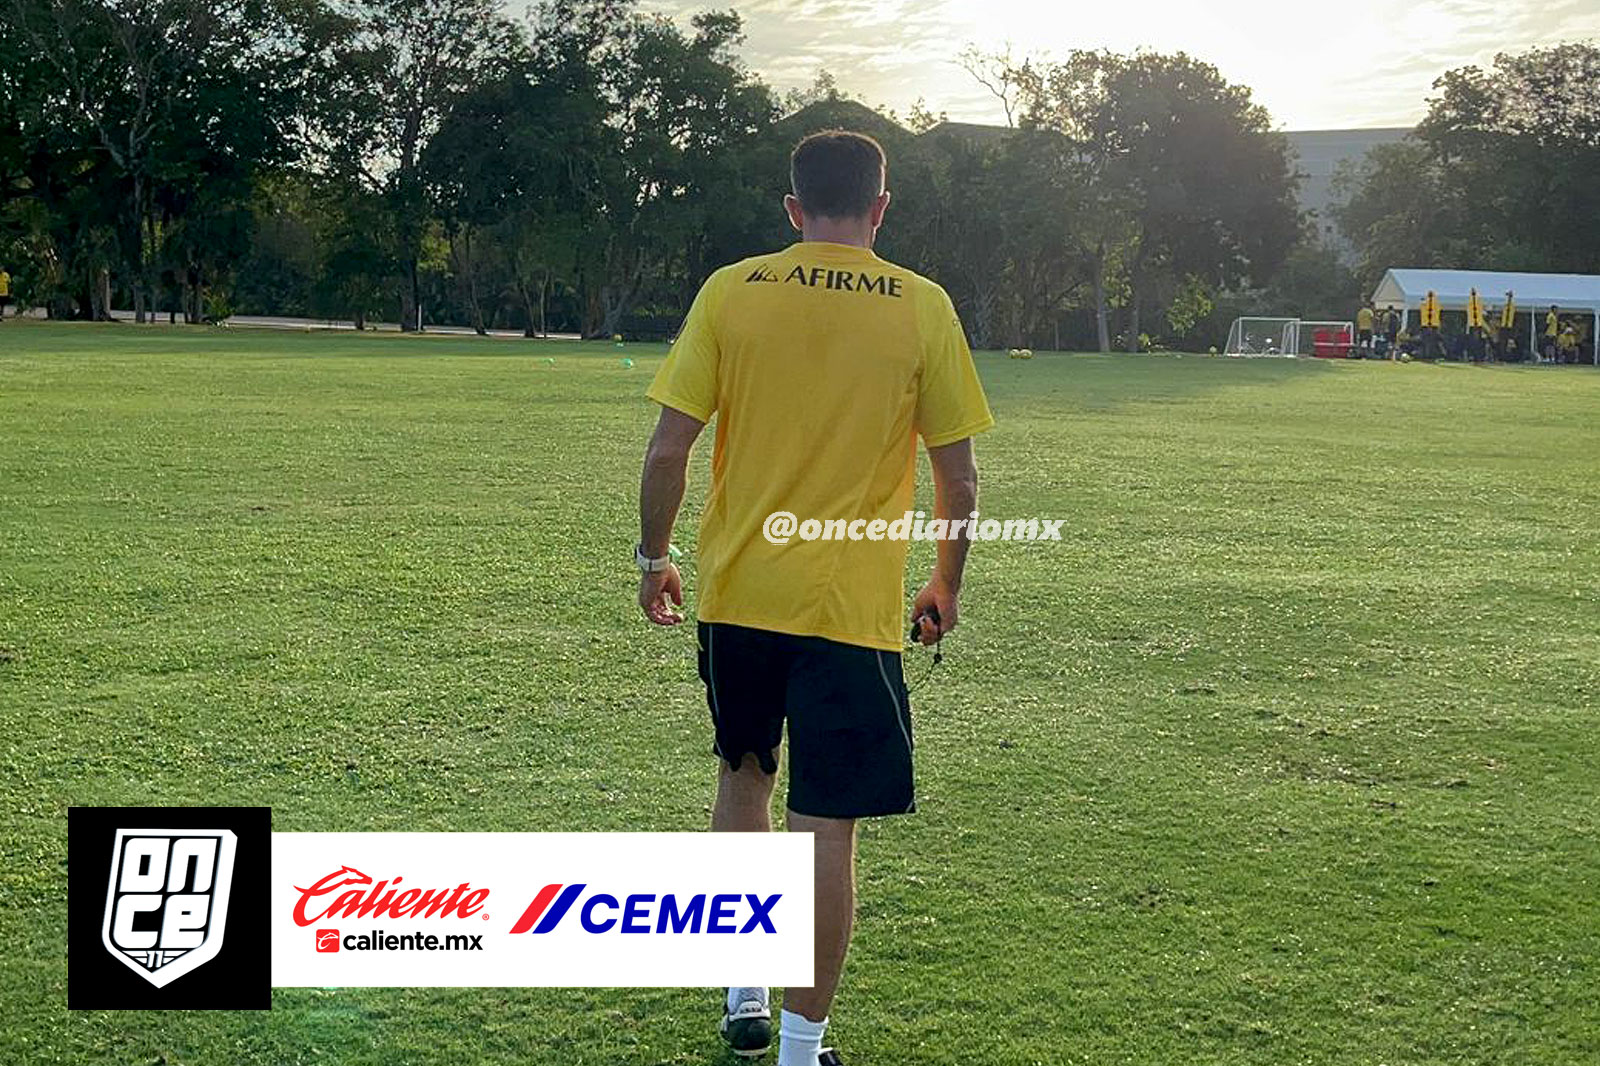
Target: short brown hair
<point x="837" y="173"/>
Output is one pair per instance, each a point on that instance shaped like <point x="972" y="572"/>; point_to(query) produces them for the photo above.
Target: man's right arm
<point x="950" y="409"/>
<point x="955" y="496"/>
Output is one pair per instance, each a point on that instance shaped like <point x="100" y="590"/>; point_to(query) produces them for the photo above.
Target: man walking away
<point x="5" y="292"/>
<point x="823" y="364"/>
<point x="1552" y="333"/>
<point x="1364" y="329"/>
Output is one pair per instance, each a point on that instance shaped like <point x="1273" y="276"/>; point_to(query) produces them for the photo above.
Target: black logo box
<point x="239" y="978"/>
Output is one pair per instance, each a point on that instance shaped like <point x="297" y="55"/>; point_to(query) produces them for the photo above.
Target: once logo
<point x="646" y="912"/>
<point x="358" y="900"/>
<point x="327" y="940"/>
<point x="167" y="903"/>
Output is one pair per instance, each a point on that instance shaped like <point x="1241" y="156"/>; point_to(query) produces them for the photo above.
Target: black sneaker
<point x="748" y="1029"/>
<point x="829" y="1057"/>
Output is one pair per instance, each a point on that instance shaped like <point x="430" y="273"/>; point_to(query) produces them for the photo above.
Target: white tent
<point x="1405" y="289"/>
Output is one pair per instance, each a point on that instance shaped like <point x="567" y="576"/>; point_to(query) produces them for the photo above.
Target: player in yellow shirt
<point x="1431" y="319"/>
<point x="823" y="364"/>
<point x="1364" y="319"/>
<point x="1508" y="325"/>
<point x="5" y="291"/>
<point x="1475" y="322"/>
<point x="1567" y="344"/>
<point x="1552" y="333"/>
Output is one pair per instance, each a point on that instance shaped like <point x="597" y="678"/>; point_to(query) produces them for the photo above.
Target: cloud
<point x="1358" y="63"/>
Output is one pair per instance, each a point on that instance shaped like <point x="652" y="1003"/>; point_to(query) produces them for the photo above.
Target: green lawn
<point x="1288" y="755"/>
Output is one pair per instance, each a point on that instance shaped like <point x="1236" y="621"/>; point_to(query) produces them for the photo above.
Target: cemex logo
<point x="361" y="898"/>
<point x="164" y="892"/>
<point x="645" y="912"/>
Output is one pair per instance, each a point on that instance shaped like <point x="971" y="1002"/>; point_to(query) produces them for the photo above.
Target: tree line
<point x="583" y="168"/>
<point x="1502" y="174"/>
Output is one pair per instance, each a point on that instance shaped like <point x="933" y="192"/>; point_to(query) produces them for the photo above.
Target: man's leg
<point x="744" y="797"/>
<point x="805" y="1009"/>
<point x="744" y="805"/>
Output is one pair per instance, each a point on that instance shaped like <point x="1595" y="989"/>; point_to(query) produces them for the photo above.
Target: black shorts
<point x="1364" y="336"/>
<point x="847" y="707"/>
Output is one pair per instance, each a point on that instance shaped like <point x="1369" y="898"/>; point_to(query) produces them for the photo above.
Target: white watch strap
<point x="649" y="565"/>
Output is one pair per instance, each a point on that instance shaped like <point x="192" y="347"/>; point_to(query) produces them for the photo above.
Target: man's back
<point x="823" y="363"/>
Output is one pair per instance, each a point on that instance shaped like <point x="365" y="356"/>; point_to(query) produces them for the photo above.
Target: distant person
<point x="1552" y="334"/>
<point x="1567" y="343"/>
<point x="1364" y="318"/>
<point x="5" y="292"/>
<point x="1508" y="326"/>
<point x="1472" y="343"/>
<point x="1432" y="346"/>
<point x="1391" y="331"/>
<point x="823" y="365"/>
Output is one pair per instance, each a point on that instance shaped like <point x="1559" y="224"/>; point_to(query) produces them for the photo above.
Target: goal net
<point x="1327" y="339"/>
<point x="1264" y="336"/>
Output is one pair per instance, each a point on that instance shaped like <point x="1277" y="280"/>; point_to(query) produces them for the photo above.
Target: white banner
<point x="541" y="909"/>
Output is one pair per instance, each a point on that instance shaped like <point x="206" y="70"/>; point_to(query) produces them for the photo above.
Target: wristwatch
<point x="649" y="565"/>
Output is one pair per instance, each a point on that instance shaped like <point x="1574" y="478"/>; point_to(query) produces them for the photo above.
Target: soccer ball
<point x="1025" y="353"/>
<point x="1014" y="353"/>
<point x="1212" y="350"/>
<point x="1405" y="357"/>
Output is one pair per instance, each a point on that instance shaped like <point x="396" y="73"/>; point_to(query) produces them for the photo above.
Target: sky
<point x="1325" y="65"/>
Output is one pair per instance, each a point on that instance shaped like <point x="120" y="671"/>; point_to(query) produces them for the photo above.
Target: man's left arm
<point x="666" y="463"/>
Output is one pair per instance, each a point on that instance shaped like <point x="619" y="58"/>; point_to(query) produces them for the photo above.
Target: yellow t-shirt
<point x="823" y="364"/>
<point x="1364" y="318"/>
<point x="1552" y="325"/>
<point x="5" y="283"/>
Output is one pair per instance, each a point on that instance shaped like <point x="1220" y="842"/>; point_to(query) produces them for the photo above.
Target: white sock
<point x="799" y="1039"/>
<point x="738" y="996"/>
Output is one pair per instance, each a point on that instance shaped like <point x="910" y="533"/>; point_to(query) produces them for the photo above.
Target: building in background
<point x="1320" y="154"/>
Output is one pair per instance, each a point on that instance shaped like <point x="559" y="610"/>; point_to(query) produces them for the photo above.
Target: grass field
<point x="1287" y="755"/>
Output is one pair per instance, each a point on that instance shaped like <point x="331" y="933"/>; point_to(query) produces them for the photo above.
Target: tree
<point x="682" y="107"/>
<point x="1499" y="175"/>
<point x="824" y="88"/>
<point x="1185" y="175"/>
<point x="396" y="70"/>
<point x="166" y="92"/>
<point x="516" y="168"/>
<point x="1395" y="210"/>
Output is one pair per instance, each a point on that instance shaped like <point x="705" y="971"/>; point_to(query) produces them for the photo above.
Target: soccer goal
<point x="1328" y="340"/>
<point x="1264" y="336"/>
